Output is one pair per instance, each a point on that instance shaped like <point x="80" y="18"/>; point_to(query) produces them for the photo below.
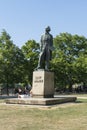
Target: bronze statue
<point x="46" y="47"/>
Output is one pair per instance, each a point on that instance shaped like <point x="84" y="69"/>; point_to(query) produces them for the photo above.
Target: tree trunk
<point x="70" y="87"/>
<point x="7" y="89"/>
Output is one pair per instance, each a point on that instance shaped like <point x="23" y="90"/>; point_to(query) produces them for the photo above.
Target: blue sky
<point x="26" y="19"/>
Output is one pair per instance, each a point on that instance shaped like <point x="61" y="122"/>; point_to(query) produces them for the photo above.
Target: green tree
<point x="31" y="52"/>
<point x="69" y="49"/>
<point x="11" y="61"/>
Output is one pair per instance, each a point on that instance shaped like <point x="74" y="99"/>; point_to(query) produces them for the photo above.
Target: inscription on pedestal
<point x="38" y="79"/>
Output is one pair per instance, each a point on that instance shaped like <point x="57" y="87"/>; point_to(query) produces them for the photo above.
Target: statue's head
<point x="48" y="28"/>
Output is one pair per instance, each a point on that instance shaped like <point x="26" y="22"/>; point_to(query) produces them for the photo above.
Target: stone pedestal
<point x="43" y="84"/>
<point x="43" y="91"/>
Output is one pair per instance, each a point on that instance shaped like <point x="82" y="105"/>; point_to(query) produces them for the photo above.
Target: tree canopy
<point x="69" y="60"/>
<point x="11" y="61"/>
<point x="31" y="52"/>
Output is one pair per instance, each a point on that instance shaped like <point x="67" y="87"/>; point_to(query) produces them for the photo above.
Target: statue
<point x="46" y="47"/>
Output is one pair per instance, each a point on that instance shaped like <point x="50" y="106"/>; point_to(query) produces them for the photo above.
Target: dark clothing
<point x="46" y="51"/>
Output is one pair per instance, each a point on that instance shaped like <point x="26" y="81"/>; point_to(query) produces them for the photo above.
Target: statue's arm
<point x="41" y="44"/>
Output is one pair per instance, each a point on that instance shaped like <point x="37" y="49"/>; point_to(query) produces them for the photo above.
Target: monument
<point x="43" y="78"/>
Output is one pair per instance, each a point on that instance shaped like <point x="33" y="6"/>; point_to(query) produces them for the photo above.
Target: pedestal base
<point x="41" y="101"/>
<point x="43" y="84"/>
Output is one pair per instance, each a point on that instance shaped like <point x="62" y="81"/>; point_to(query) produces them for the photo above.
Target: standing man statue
<point x="46" y="47"/>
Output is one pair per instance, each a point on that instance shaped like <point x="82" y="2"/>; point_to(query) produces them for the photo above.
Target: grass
<point x="72" y="116"/>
